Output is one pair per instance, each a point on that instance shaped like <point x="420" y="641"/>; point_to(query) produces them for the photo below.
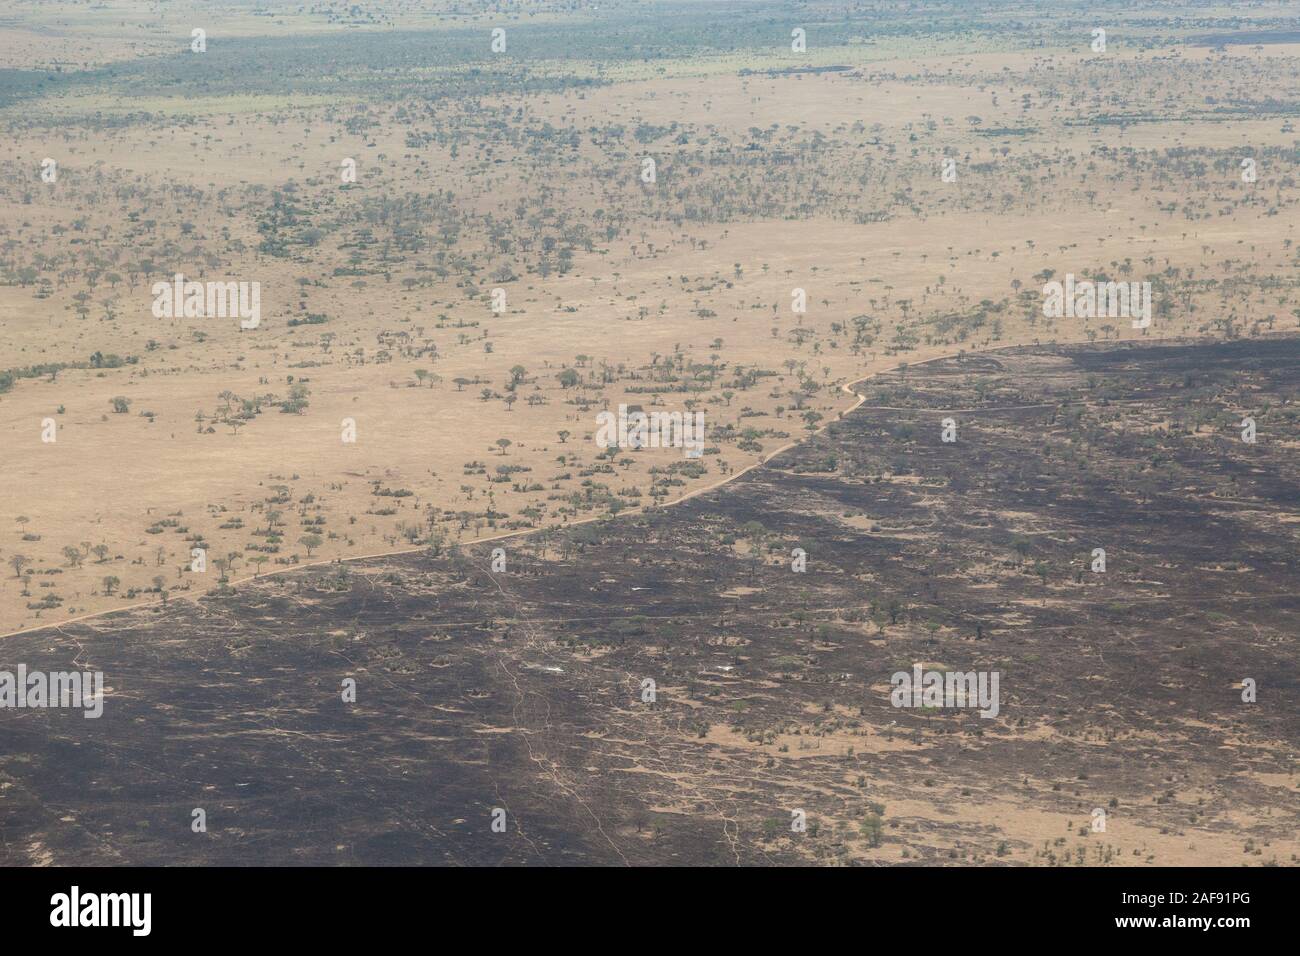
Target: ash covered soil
<point x="524" y="690"/>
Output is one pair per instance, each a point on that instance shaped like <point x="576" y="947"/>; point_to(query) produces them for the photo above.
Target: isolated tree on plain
<point x="18" y="562"/>
<point x="873" y="828"/>
<point x="111" y="581"/>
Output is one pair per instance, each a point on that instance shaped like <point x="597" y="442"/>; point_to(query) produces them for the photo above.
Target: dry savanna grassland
<point x="775" y="172"/>
<point x="464" y="255"/>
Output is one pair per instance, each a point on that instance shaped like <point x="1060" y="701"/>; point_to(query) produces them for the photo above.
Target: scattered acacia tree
<point x="297" y="401"/>
<point x="73" y="555"/>
<point x="18" y="562"/>
<point x="311" y="542"/>
<point x="873" y="828"/>
<point x="121" y="405"/>
<point x="503" y="444"/>
<point x="111" y="581"/>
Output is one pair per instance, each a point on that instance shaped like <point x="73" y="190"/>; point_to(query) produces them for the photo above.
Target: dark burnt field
<point x="522" y="689"/>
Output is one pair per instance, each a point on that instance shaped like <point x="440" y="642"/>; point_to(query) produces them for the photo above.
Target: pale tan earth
<point x="1028" y="835"/>
<point x="110" y="477"/>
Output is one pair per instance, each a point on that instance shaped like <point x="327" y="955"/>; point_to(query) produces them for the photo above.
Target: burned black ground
<point x="523" y="690"/>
